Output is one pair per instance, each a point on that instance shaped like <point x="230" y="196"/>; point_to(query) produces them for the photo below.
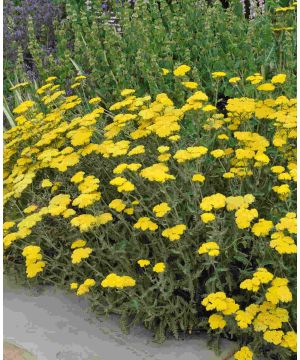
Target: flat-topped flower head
<point x="181" y="70"/>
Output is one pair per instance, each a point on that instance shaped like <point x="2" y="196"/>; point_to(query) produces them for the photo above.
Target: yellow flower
<point x="263" y="275"/>
<point x="80" y="136"/>
<point x="51" y="78"/>
<point x="163" y="149"/>
<point x="143" y="262"/>
<point x="278" y="79"/>
<point x="223" y="137"/>
<point x="157" y="172"/>
<point x="33" y="263"/>
<point x="243" y="217"/>
<point x="266" y="87"/>
<point x="216" y="321"/>
<point x="34" y="268"/>
<point x="8" y="225"/>
<point x="115" y="281"/>
<point x="282" y="190"/>
<point x="244" y="354"/>
<point x="210" y="248"/>
<point x="140" y="149"/>
<point x="84" y="200"/>
<point x="207" y="217"/>
<point x="127" y="186"/>
<point x="209" y="108"/>
<point x="164" y="157"/>
<point x="73" y="286"/>
<point x="288" y="222"/>
<point x="46" y="183"/>
<point x="228" y="175"/>
<point x="159" y="267"/>
<point x="88" y="185"/>
<point x="117" y="204"/>
<point x="234" y="80"/>
<point x="273" y="336"/>
<point x="134" y="167"/>
<point x="30" y="209"/>
<point x="127" y="92"/>
<point x="58" y="204"/>
<point x="73" y="86"/>
<point x="84" y="222"/>
<point x="103" y="218"/>
<point x="220" y="302"/>
<point x="217" y="153"/>
<point x="192" y="152"/>
<point x="189" y="84"/>
<point x="279" y="291"/>
<point x="243" y="318"/>
<point x="161" y="209"/>
<point x="262" y="228"/>
<point x="68" y="213"/>
<point x="250" y="284"/>
<point x="174" y="232"/>
<point x="85" y="287"/>
<point x="165" y="71"/>
<point x="283" y="244"/>
<point x="277" y="169"/>
<point x="218" y="74"/>
<point x="144" y="223"/>
<point x="181" y="70"/>
<point x="129" y="211"/>
<point x="23" y="107"/>
<point x="289" y="340"/>
<point x="198" y="178"/>
<point x="79" y="254"/>
<point x="216" y="201"/>
<point x="80" y="77"/>
<point x="95" y="100"/>
<point x="174" y="137"/>
<point x="78" y="243"/>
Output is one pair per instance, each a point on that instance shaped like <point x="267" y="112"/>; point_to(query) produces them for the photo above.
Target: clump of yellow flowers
<point x="170" y="211"/>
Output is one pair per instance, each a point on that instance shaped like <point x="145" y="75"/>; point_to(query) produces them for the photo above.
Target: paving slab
<point x="14" y="352"/>
<point x="54" y="325"/>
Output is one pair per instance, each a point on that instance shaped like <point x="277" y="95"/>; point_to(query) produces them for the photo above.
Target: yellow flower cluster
<point x="115" y="281"/>
<point x="216" y="201"/>
<point x="181" y="70"/>
<point x="244" y="354"/>
<point x="220" y="302"/>
<point x="159" y="267"/>
<point x="216" y="321"/>
<point x="157" y="172"/>
<point x="87" y="221"/>
<point x="80" y="253"/>
<point x="84" y="287"/>
<point x="190" y="153"/>
<point x="122" y="184"/>
<point x="262" y="228"/>
<point x="161" y="209"/>
<point x="25" y="106"/>
<point x="174" y="232"/>
<point x="261" y="276"/>
<point x="211" y="248"/>
<point x="143" y="262"/>
<point x="144" y="223"/>
<point x="33" y="263"/>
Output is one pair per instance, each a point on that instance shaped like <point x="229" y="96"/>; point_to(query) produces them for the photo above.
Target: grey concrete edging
<point x="56" y="326"/>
